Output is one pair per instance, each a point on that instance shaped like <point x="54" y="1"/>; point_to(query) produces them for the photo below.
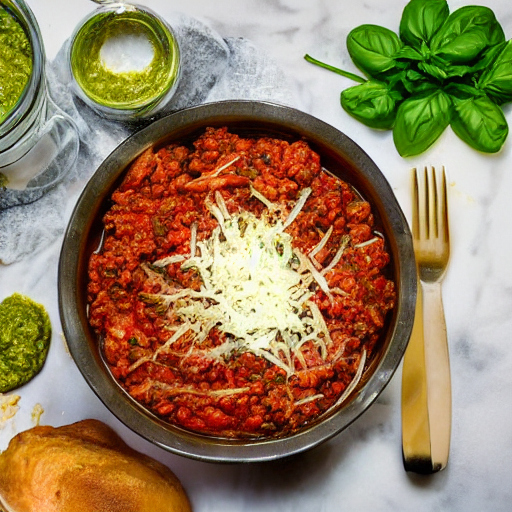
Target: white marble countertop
<point x="360" y="469"/>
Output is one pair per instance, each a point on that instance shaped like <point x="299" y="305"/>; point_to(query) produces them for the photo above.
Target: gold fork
<point x="426" y="384"/>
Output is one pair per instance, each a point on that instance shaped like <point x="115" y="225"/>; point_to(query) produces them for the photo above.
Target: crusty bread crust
<point x="84" y="467"/>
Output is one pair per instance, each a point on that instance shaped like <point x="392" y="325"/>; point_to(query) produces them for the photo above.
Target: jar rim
<point x="152" y="21"/>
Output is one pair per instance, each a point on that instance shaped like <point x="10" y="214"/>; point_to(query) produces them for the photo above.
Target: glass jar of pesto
<point x="38" y="142"/>
<point x="124" y="61"/>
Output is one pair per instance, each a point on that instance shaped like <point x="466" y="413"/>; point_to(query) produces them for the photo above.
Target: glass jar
<point x="38" y="142"/>
<point x="124" y="61"/>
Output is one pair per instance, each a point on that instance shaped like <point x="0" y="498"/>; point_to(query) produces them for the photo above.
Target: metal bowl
<point x="341" y="156"/>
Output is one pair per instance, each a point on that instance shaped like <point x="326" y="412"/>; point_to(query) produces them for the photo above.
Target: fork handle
<point x="426" y="386"/>
<point x="437" y="362"/>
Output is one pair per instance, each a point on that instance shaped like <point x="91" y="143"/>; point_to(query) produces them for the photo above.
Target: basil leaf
<point x="462" y="91"/>
<point x="480" y="123"/>
<point x="415" y="79"/>
<point x="415" y="75"/>
<point x="372" y="103"/>
<point x="467" y="32"/>
<point x="432" y="70"/>
<point x="372" y="48"/>
<point x="488" y="58"/>
<point x="408" y="52"/>
<point x="415" y="82"/>
<point x="484" y="62"/>
<point x="497" y="80"/>
<point x="420" y="121"/>
<point x="421" y="19"/>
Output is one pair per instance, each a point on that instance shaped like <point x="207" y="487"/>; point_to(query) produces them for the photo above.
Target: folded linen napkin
<point x="213" y="69"/>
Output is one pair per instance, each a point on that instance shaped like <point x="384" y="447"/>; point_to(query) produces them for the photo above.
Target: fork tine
<point x="432" y="203"/>
<point x="421" y="204"/>
<point x="438" y="205"/>
<point x="417" y="206"/>
<point x="444" y="229"/>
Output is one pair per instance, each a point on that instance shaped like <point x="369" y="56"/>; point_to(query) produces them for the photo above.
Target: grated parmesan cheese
<point x="251" y="290"/>
<point x="37" y="412"/>
<point x="8" y="408"/>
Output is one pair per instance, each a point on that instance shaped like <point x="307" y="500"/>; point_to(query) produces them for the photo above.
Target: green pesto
<point x="15" y="62"/>
<point x="124" y="90"/>
<point x="25" y="333"/>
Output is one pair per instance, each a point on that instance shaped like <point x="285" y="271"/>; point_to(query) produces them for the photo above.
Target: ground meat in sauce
<point x="163" y="195"/>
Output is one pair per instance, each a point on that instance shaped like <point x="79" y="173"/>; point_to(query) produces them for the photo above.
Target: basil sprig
<point x="441" y="70"/>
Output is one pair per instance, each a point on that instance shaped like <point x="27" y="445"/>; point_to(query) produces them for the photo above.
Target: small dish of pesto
<point x="125" y="61"/>
<point x="25" y="334"/>
<point x="15" y="62"/>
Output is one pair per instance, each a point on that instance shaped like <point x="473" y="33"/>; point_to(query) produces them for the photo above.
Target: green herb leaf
<point x="440" y="60"/>
<point x="415" y="82"/>
<point x="484" y="62"/>
<point x="458" y="70"/>
<point x="410" y="53"/>
<point x="371" y="103"/>
<point x="480" y="123"/>
<point x="413" y="74"/>
<point x="420" y="121"/>
<point x="467" y="32"/>
<point x="372" y="48"/>
<point x="496" y="81"/>
<point x="433" y="70"/>
<point x="421" y="19"/>
<point x="462" y="91"/>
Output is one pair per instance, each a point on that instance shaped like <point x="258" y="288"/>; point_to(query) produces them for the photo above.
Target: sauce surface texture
<point x="239" y="289"/>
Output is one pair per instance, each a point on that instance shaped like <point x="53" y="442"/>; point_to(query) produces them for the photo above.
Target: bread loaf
<point x="84" y="467"/>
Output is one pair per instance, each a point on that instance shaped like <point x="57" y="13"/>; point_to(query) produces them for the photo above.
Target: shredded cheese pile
<point x="255" y="289"/>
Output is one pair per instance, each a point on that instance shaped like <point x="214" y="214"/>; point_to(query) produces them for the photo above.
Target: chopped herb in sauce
<point x="15" y="62"/>
<point x="25" y="333"/>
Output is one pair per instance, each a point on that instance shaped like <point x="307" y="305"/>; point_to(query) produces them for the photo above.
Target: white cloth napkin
<point x="213" y="69"/>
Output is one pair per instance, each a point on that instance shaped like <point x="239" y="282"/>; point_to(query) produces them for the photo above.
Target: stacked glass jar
<point x="38" y="142"/>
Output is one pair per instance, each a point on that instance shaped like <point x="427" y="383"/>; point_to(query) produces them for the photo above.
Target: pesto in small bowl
<point x="124" y="60"/>
<point x="25" y="334"/>
<point x="15" y="62"/>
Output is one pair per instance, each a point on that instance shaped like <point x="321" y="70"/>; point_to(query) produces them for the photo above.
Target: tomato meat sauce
<point x="240" y="289"/>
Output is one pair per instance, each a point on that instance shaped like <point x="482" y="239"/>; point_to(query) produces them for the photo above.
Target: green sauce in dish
<point x="15" y="62"/>
<point x="25" y="333"/>
<point x="120" y="88"/>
